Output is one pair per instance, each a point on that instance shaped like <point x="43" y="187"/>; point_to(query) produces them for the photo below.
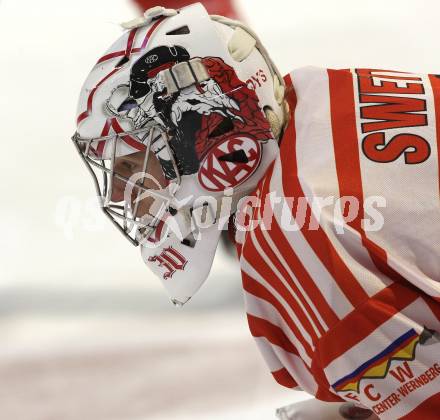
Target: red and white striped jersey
<point x="340" y="252"/>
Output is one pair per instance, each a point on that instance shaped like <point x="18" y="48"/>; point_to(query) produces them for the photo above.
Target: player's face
<point x="127" y="166"/>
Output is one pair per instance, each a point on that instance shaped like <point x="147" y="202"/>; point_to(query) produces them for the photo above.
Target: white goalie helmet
<point x="177" y="122"/>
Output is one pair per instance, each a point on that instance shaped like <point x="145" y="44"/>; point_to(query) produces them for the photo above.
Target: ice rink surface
<point x="85" y="332"/>
<point x="128" y="368"/>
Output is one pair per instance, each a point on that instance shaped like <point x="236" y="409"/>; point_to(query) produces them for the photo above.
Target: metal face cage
<point x="142" y="164"/>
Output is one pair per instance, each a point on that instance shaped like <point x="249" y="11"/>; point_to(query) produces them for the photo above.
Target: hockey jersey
<point x="340" y="244"/>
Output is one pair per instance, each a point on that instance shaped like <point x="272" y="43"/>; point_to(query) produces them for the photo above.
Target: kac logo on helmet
<point x="216" y="173"/>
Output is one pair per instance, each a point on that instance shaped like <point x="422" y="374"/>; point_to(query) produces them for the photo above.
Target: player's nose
<point x="118" y="188"/>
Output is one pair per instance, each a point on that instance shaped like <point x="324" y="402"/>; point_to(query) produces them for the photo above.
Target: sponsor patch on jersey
<point x="377" y="367"/>
<point x="393" y="382"/>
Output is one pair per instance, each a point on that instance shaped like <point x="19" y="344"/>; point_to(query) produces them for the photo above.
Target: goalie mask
<point x="177" y="121"/>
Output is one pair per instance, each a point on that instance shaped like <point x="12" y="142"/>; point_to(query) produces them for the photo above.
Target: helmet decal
<point x="198" y="117"/>
<point x="229" y="164"/>
<point x="127" y="53"/>
<point x="171" y="260"/>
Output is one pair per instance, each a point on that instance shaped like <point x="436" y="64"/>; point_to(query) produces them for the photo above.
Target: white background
<point x="72" y="291"/>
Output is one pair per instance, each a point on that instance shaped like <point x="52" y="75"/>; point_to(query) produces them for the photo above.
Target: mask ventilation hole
<point x="184" y="30"/>
<point x="238" y="156"/>
<point x="122" y="61"/>
<point x="189" y="241"/>
<point x="224" y="127"/>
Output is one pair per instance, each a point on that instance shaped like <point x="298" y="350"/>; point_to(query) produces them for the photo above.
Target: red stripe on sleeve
<point x="345" y="138"/>
<point x="428" y="409"/>
<point x="284" y="378"/>
<point x="252" y="254"/>
<point x="346" y="147"/>
<point x="260" y="327"/>
<point x="285" y="250"/>
<point x="293" y="289"/>
<point x="325" y="310"/>
<point x="317" y="239"/>
<point x="362" y="322"/>
<point x="255" y="288"/>
<point x="435" y="83"/>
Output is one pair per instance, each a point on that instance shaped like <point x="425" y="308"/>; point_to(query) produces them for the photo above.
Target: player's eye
<point x="126" y="167"/>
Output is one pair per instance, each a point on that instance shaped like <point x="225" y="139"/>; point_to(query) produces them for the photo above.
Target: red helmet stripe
<point x="110" y="56"/>
<point x="148" y="35"/>
<point x="86" y="113"/>
<point x="127" y="139"/>
<point x="128" y="50"/>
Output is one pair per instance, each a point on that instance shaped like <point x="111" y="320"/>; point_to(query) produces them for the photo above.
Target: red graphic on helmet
<point x="197" y="117"/>
<point x="171" y="260"/>
<point x="249" y="119"/>
<point x="229" y="164"/>
<point x="159" y="232"/>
